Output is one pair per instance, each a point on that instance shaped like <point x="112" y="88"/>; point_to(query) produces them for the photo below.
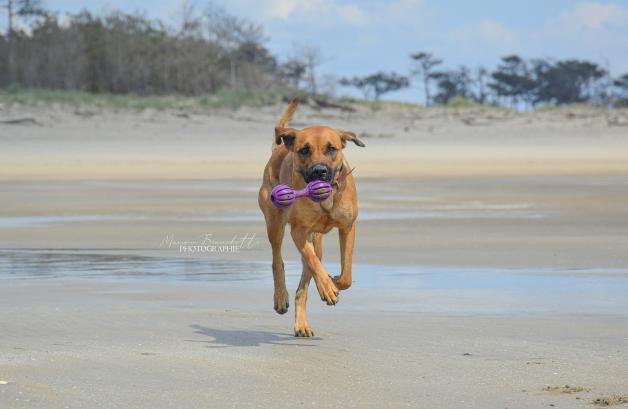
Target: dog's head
<point x="318" y="150"/>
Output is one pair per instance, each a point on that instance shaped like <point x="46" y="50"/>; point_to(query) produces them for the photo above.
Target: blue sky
<point x="361" y="37"/>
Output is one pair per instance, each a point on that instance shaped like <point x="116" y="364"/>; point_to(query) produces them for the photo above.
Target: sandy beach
<point x="85" y="343"/>
<point x="491" y="264"/>
<point x="97" y="144"/>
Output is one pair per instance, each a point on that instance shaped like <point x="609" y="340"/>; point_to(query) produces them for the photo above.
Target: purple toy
<point x="283" y="196"/>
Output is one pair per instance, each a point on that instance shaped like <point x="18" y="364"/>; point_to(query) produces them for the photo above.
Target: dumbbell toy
<point x="283" y="196"/>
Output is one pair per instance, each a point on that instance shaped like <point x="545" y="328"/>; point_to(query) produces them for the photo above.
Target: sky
<point x="362" y="37"/>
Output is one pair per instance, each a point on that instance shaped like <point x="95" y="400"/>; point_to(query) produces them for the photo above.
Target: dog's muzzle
<point x="319" y="172"/>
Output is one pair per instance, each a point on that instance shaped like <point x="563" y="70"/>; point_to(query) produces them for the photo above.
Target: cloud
<point x="592" y="16"/>
<point x="409" y="12"/>
<point x="283" y="9"/>
<point x="587" y="30"/>
<point x="352" y="14"/>
<point x="484" y="33"/>
<point x="401" y="8"/>
<point x="315" y="9"/>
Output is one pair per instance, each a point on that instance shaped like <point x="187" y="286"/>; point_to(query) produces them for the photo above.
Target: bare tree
<point x="311" y="56"/>
<point x="18" y="8"/>
<point x="293" y="71"/>
<point x="188" y="21"/>
<point x="424" y="64"/>
<point x="328" y="85"/>
<point x="481" y="74"/>
<point x="231" y="32"/>
<point x="129" y="53"/>
<point x="604" y="92"/>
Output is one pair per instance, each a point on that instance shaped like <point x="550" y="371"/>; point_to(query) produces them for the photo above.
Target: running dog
<point x="299" y="157"/>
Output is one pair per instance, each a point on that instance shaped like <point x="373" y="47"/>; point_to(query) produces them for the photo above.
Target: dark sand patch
<point x="611" y="400"/>
<point x="565" y="389"/>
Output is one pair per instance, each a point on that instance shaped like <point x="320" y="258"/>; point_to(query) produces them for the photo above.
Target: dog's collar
<point x="341" y="175"/>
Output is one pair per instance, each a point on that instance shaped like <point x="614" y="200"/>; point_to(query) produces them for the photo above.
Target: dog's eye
<point x="304" y="151"/>
<point x="331" y="150"/>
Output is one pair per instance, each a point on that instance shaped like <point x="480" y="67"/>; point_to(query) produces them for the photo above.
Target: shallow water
<point x="405" y="288"/>
<point x="246" y="217"/>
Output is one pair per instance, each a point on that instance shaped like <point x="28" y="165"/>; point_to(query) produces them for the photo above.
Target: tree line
<point x="515" y="82"/>
<point x="125" y="53"/>
<point x="209" y="50"/>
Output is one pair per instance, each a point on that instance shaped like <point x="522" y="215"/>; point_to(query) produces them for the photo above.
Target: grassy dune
<point x="226" y="99"/>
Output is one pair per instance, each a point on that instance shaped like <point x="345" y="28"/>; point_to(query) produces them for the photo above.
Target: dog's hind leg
<point x="301" y="327"/>
<point x="275" y="229"/>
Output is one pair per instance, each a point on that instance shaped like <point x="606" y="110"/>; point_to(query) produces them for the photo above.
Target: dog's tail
<point x="288" y="114"/>
<point x="285" y="119"/>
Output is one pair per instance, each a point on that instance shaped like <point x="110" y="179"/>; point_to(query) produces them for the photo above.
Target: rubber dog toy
<point x="283" y="196"/>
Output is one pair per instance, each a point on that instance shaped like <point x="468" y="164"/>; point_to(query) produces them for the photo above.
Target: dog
<point x="299" y="157"/>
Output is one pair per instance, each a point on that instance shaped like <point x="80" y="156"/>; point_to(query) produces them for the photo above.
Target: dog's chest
<point x="334" y="217"/>
<point x="323" y="224"/>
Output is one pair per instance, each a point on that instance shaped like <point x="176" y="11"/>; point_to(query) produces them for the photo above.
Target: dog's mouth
<point x="318" y="172"/>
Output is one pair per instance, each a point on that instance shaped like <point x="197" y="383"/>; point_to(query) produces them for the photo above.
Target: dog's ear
<point x="287" y="135"/>
<point x="350" y="136"/>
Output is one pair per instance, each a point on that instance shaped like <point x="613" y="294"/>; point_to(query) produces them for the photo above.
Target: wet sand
<point x="103" y="344"/>
<point x="491" y="263"/>
<point x="526" y="221"/>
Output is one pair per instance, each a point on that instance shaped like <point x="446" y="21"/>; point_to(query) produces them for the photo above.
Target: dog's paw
<point x="327" y="290"/>
<point x="341" y="283"/>
<point x="282" y="301"/>
<point x="303" y="330"/>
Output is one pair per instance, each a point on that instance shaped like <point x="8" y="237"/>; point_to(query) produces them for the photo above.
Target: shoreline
<point x="445" y="290"/>
<point x="556" y="222"/>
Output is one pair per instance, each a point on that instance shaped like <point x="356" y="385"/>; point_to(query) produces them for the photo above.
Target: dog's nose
<point x="319" y="172"/>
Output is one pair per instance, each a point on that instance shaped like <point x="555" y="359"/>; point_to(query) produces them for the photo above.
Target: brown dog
<point x="298" y="157"/>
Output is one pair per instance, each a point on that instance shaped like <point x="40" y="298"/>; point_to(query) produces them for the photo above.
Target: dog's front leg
<point x="301" y="327"/>
<point x="347" y="241"/>
<point x="275" y="230"/>
<point x="325" y="286"/>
